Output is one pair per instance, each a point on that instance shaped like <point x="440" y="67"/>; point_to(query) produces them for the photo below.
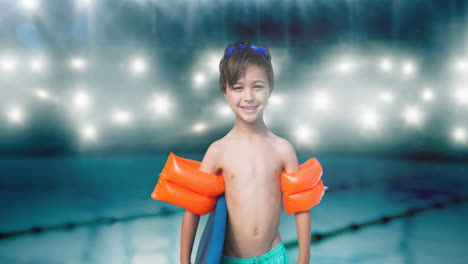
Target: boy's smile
<point x="249" y="109"/>
<point x="248" y="97"/>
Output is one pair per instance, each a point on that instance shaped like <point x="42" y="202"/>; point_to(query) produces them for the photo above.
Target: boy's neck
<point x="255" y="130"/>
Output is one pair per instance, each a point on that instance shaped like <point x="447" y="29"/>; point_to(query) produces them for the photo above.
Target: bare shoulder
<point x="211" y="160"/>
<point x="288" y="154"/>
<point x="283" y="145"/>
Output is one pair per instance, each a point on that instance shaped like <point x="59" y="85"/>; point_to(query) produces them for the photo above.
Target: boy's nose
<point x="248" y="96"/>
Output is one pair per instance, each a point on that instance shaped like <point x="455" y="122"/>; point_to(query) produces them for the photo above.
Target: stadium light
<point x="8" y="64"/>
<point x="461" y="65"/>
<point x="369" y="119"/>
<point x="29" y="5"/>
<point x="386" y="65"/>
<point x="459" y="135"/>
<point x="37" y="64"/>
<point x="276" y="100"/>
<point x="345" y="66"/>
<point x="412" y="115"/>
<point x="78" y="63"/>
<point x="304" y="135"/>
<point x="81" y="99"/>
<point x="161" y="104"/>
<point x="85" y="3"/>
<point x="89" y="133"/>
<point x="199" y="79"/>
<point x="461" y="96"/>
<point x="224" y="110"/>
<point x="408" y="68"/>
<point x="42" y="94"/>
<point x="121" y="117"/>
<point x="15" y="114"/>
<point x="386" y="96"/>
<point x="138" y="66"/>
<point x="427" y="95"/>
<point x="321" y="101"/>
<point x="199" y="127"/>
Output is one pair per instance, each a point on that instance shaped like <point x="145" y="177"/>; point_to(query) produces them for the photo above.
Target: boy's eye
<point x="239" y="88"/>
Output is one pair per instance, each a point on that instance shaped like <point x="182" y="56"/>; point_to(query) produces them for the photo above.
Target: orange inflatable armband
<point x="182" y="183"/>
<point x="303" y="189"/>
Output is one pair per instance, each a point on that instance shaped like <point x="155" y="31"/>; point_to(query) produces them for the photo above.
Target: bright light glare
<point x="89" y="132"/>
<point x="199" y="79"/>
<point x="304" y="134"/>
<point x="369" y="119"/>
<point x="29" y="5"/>
<point x="459" y="134"/>
<point x="138" y="66"/>
<point x="121" y="117"/>
<point x="275" y="99"/>
<point x="199" y="127"/>
<point x="345" y="66"/>
<point x="85" y="3"/>
<point x="42" y="94"/>
<point x="386" y="96"/>
<point x="161" y="104"/>
<point x="461" y="95"/>
<point x="461" y="66"/>
<point x="412" y="115"/>
<point x="15" y="114"/>
<point x="386" y="65"/>
<point x="214" y="62"/>
<point x="276" y="67"/>
<point x="427" y="95"/>
<point x="36" y="64"/>
<point x="81" y="99"/>
<point x="409" y="68"/>
<point x="209" y="62"/>
<point x="8" y="64"/>
<point x="224" y="110"/>
<point x="78" y="63"/>
<point x="321" y="101"/>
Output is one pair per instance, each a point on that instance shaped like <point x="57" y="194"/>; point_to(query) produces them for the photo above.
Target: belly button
<point x="256" y="231"/>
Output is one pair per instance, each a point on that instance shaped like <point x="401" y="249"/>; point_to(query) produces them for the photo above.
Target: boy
<point x="251" y="159"/>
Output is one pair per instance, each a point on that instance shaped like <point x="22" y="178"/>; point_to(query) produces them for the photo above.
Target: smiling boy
<point x="251" y="158"/>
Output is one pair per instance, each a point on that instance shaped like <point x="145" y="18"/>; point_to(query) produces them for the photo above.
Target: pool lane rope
<point x="162" y="213"/>
<point x="315" y="237"/>
<point x="411" y="212"/>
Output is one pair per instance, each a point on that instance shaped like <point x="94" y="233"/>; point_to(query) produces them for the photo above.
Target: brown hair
<point x="235" y="65"/>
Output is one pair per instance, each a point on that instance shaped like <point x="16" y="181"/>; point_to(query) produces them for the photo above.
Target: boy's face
<point x="248" y="97"/>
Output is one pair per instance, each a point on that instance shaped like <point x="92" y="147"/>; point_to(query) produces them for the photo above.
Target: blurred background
<point x="96" y="93"/>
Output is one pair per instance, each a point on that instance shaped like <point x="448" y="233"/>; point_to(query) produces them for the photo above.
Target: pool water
<point x="99" y="210"/>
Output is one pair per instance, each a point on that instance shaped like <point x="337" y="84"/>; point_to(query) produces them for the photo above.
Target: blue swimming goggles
<point x="242" y="46"/>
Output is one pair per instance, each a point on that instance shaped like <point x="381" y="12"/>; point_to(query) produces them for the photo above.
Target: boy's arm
<point x="291" y="165"/>
<point x="190" y="220"/>
<point x="187" y="236"/>
<point x="303" y="235"/>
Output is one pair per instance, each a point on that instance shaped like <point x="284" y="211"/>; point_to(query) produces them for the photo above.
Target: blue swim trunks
<point x="277" y="255"/>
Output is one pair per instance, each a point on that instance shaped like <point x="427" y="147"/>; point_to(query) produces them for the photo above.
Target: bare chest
<point x="244" y="162"/>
